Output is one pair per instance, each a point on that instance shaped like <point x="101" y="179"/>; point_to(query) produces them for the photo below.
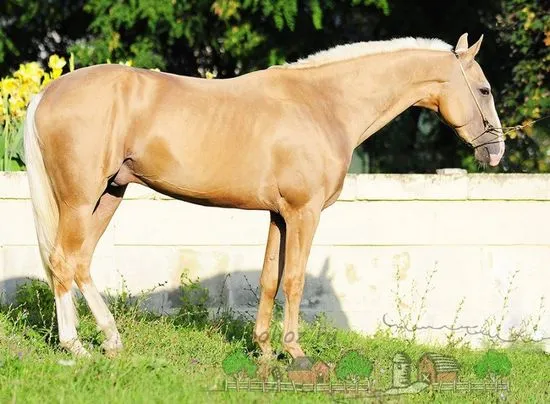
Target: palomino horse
<point x="279" y="140"/>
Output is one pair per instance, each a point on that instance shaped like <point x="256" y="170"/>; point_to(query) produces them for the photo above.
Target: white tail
<point x="46" y="214"/>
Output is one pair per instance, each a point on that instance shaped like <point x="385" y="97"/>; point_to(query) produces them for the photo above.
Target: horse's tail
<point x="46" y="214"/>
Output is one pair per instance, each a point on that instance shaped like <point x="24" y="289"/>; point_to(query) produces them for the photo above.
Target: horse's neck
<point x="368" y="92"/>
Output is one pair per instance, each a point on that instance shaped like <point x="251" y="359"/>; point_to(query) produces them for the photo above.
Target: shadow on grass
<point x="32" y="310"/>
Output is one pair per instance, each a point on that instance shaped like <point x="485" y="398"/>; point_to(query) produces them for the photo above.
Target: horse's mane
<point x="358" y="49"/>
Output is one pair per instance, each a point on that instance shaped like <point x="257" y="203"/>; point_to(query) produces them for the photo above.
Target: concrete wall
<point x="411" y="250"/>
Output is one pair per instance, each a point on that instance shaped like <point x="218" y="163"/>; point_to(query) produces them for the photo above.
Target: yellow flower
<point x="17" y="106"/>
<point x="8" y="86"/>
<point x="127" y="63"/>
<point x="4" y="115"/>
<point x="55" y="74"/>
<point x="47" y="79"/>
<point x="56" y="63"/>
<point x="30" y="72"/>
<point x="210" y="75"/>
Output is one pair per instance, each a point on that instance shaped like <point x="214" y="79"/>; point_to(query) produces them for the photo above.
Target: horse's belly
<point x="228" y="195"/>
<point x="204" y="185"/>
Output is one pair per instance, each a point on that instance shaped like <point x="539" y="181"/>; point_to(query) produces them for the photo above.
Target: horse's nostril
<point x="494" y="160"/>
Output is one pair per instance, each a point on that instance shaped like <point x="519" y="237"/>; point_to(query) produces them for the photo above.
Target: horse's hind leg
<point x="68" y="256"/>
<point x="80" y="228"/>
<point x="101" y="217"/>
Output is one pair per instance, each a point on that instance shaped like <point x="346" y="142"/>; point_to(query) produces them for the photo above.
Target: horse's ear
<point x="462" y="44"/>
<point x="469" y="55"/>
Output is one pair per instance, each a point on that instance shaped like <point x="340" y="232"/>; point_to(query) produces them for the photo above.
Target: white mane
<point x="358" y="49"/>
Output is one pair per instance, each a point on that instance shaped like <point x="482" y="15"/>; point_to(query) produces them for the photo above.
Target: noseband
<point x="488" y="128"/>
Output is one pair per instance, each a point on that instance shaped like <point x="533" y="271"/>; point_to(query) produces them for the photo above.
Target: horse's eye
<point x="484" y="91"/>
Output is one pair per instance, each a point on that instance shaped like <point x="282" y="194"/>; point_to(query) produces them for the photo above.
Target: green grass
<point x="173" y="359"/>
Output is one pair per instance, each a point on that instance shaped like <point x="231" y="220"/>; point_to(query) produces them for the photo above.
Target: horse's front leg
<point x="301" y="224"/>
<point x="269" y="281"/>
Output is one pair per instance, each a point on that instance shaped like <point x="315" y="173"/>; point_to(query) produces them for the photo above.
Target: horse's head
<point x="466" y="104"/>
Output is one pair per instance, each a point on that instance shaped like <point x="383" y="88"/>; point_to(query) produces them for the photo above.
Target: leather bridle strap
<point x="486" y="123"/>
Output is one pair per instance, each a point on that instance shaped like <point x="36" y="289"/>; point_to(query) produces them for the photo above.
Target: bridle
<point x="487" y="127"/>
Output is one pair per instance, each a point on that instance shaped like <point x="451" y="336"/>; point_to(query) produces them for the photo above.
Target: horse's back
<point x="196" y="139"/>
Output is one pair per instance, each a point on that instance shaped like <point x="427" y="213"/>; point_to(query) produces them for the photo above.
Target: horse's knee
<point x="293" y="285"/>
<point x="269" y="292"/>
<point x="269" y="287"/>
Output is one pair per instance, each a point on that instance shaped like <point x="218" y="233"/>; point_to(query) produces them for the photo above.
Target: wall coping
<point x="377" y="187"/>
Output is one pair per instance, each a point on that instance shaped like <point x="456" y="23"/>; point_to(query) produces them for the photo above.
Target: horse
<point x="278" y="140"/>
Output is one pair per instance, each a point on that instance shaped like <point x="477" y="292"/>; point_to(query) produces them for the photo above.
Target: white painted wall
<point x="483" y="239"/>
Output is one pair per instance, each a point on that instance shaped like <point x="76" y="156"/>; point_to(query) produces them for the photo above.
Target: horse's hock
<point x="465" y="242"/>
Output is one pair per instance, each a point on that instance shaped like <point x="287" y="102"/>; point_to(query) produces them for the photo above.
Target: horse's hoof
<point x="112" y="348"/>
<point x="264" y="370"/>
<point x="76" y="348"/>
<point x="109" y="353"/>
<point x="266" y="357"/>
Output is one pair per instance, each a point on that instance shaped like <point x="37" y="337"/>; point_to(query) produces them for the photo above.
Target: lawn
<point x="178" y="359"/>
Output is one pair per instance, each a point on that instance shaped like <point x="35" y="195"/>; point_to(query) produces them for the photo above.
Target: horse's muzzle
<point x="490" y="153"/>
<point x="494" y="158"/>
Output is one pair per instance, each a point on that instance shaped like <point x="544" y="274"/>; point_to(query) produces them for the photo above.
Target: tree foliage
<point x="231" y="37"/>
<point x="523" y="28"/>
<point x="224" y="36"/>
<point x="238" y="365"/>
<point x="353" y="366"/>
<point x="493" y="364"/>
<point x="32" y="30"/>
